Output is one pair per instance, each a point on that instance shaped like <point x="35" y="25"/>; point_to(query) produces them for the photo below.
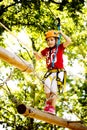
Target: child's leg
<point x="53" y="99"/>
<point x="50" y="102"/>
<point x="50" y="94"/>
<point x="47" y="89"/>
<point x="48" y="99"/>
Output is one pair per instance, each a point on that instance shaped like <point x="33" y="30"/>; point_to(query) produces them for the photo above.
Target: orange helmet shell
<point x="51" y="33"/>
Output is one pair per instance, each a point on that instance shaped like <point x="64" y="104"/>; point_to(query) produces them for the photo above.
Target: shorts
<point x="51" y="82"/>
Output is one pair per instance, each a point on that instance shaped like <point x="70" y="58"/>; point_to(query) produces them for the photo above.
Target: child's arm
<point x="37" y="55"/>
<point x="68" y="40"/>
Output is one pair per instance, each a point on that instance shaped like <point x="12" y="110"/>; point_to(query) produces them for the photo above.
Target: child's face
<point x="51" y="41"/>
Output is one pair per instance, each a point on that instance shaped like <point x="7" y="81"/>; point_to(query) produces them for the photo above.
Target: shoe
<point x="49" y="109"/>
<point x="46" y="108"/>
<point x="47" y="105"/>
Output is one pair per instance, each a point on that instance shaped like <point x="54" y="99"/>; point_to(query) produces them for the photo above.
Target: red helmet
<point x="51" y="33"/>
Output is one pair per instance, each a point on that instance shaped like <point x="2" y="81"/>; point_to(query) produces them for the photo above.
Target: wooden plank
<point x="15" y="60"/>
<point x="49" y="118"/>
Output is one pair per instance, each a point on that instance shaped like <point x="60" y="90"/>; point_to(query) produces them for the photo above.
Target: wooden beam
<point x="15" y="60"/>
<point x="49" y="118"/>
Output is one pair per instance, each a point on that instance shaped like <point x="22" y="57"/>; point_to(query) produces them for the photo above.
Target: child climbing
<point x="54" y="61"/>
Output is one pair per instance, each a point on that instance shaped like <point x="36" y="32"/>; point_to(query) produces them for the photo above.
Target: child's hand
<point x="60" y="32"/>
<point x="35" y="53"/>
<point x="38" y="56"/>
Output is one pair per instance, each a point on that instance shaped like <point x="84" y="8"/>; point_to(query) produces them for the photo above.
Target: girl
<point x="54" y="62"/>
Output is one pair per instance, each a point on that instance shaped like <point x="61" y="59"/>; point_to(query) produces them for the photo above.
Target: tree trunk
<point x="49" y="118"/>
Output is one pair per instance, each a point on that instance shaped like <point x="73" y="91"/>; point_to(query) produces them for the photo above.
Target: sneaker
<point x="46" y="108"/>
<point x="49" y="109"/>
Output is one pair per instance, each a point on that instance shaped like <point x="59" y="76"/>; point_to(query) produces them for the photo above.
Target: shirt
<point x="50" y="53"/>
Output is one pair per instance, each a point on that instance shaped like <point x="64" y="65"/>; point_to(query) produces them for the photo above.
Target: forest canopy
<point x="29" y="20"/>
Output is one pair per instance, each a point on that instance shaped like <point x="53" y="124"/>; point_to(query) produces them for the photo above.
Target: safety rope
<point x="19" y="41"/>
<point x="8" y="91"/>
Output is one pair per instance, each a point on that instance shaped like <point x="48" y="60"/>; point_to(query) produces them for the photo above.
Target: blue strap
<point x="58" y="43"/>
<point x="59" y="30"/>
<point x="56" y="52"/>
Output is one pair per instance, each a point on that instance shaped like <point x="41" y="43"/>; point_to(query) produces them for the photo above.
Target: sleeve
<point x="61" y="46"/>
<point x="43" y="52"/>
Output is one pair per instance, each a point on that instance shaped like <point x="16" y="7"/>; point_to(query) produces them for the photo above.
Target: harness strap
<point x="55" y="52"/>
<point x="65" y="75"/>
<point x="47" y="74"/>
<point x="61" y="84"/>
<point x="55" y="70"/>
<point x="58" y="43"/>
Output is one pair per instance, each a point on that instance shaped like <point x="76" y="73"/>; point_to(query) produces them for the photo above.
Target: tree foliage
<point x="35" y="17"/>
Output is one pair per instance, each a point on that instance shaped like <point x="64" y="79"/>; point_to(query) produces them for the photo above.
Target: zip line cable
<point x="51" y="11"/>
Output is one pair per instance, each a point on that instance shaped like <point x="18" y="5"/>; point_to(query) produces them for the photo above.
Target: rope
<point x="13" y="98"/>
<point x="14" y="35"/>
<point x="19" y="41"/>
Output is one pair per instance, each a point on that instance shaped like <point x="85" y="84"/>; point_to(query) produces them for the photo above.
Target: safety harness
<point x="60" y="84"/>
